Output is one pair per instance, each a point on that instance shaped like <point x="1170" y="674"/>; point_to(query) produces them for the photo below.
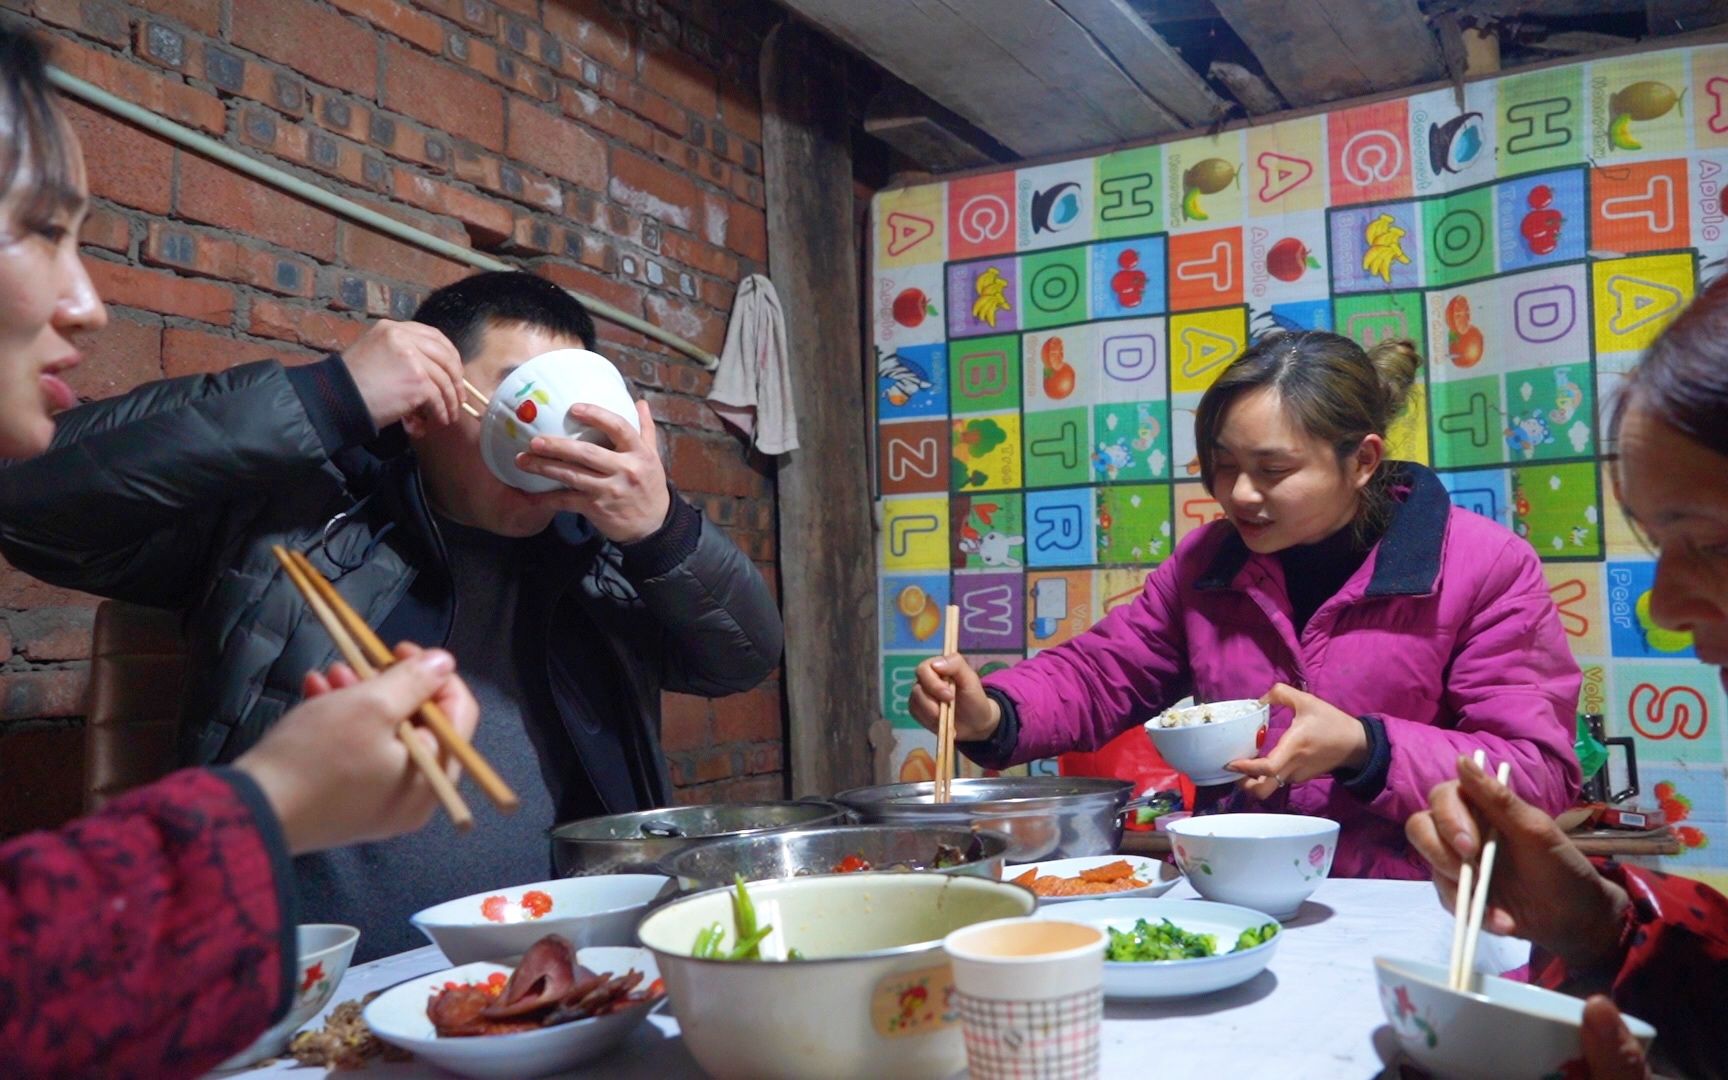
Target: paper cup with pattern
<point x="535" y="399"/>
<point x="1031" y="998"/>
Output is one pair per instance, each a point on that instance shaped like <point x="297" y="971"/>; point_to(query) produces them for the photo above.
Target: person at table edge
<point x="569" y="610"/>
<point x="1391" y="629"/>
<point x="1627" y="936"/>
<point x="156" y="937"/>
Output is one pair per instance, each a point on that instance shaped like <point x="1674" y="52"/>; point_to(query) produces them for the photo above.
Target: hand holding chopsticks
<point x="474" y="392"/>
<point x="945" y="715"/>
<point x="1472" y="898"/>
<point x="367" y="655"/>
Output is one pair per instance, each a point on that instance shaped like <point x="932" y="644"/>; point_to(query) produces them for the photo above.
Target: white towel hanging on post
<point x="753" y="385"/>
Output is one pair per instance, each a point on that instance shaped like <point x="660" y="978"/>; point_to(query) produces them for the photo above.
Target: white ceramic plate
<point x="398" y="1016"/>
<point x="1160" y="876"/>
<point x="1175" y="978"/>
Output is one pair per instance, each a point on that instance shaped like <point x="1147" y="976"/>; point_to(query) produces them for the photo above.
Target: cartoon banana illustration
<point x="1385" y="247"/>
<point x="992" y="289"/>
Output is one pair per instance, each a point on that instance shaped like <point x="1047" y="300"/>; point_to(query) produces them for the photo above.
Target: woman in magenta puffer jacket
<point x="1391" y="630"/>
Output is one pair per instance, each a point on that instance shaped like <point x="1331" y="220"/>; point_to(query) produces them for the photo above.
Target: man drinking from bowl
<point x="571" y="609"/>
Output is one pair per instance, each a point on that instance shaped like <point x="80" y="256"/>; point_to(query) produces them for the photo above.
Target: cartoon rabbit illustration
<point x="994" y="548"/>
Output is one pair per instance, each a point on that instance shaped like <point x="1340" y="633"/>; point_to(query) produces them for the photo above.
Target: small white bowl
<point x="1502" y="1030"/>
<point x="398" y="1016"/>
<point x="324" y="951"/>
<point x="1268" y="862"/>
<point x="1160" y="876"/>
<point x="1154" y="979"/>
<point x="600" y="910"/>
<point x="1201" y="751"/>
<point x="535" y="399"/>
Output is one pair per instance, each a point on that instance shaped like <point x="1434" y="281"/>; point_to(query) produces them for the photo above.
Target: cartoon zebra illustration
<point x="901" y="378"/>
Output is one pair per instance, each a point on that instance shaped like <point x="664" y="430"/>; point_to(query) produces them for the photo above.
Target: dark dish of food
<point x="1164" y="940"/>
<point x="946" y="856"/>
<point x="547" y="988"/>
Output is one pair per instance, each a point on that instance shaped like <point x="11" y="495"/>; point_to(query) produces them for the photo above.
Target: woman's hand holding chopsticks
<point x="1543" y="889"/>
<point x="334" y="770"/>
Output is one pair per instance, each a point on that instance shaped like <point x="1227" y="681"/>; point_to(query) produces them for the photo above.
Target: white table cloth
<point x="1313" y="1013"/>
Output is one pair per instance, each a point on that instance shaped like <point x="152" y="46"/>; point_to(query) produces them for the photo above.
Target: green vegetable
<point x="1167" y="941"/>
<point x="1255" y="936"/>
<point x="746" y="933"/>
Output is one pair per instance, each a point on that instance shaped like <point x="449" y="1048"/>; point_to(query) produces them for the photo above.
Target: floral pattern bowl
<point x="324" y="952"/>
<point x="1499" y="1030"/>
<point x="501" y="924"/>
<point x="1268" y="862"/>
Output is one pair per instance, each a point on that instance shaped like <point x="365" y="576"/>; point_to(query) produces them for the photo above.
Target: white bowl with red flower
<point x="1498" y="1029"/>
<point x="500" y="925"/>
<point x="1268" y="862"/>
<point x="322" y="954"/>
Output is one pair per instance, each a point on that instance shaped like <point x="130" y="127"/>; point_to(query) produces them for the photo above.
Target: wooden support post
<point x="827" y="541"/>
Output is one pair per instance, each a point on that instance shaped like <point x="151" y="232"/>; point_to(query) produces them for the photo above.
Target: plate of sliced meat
<point x="1094" y="876"/>
<point x="556" y="1009"/>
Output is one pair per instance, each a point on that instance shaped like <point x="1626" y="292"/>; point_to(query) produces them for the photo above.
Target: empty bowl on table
<point x="802" y="852"/>
<point x="535" y="399"/>
<point x="871" y="997"/>
<point x="398" y="1016"/>
<point x="503" y="923"/>
<point x="1498" y="1030"/>
<point x="1200" y="740"/>
<point x="1159" y="876"/>
<point x="1268" y="862"/>
<point x="1044" y="817"/>
<point x="1149" y="980"/>
<point x="324" y="950"/>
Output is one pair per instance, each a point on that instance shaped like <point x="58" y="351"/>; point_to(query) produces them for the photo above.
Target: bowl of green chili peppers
<point x="828" y="975"/>
<point x="1176" y="948"/>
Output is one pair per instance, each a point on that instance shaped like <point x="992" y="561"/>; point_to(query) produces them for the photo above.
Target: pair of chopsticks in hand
<point x="478" y="396"/>
<point x="1471" y="902"/>
<point x="942" y="790"/>
<point x="368" y="655"/>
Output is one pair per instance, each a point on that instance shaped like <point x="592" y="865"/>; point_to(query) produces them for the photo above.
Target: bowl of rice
<point x="1201" y="739"/>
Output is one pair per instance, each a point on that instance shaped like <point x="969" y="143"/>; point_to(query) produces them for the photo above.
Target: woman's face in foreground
<point x="46" y="299"/>
<point x="1676" y="491"/>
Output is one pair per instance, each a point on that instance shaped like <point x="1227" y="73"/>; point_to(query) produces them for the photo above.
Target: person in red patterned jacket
<point x="1633" y="939"/>
<point x="157" y="937"/>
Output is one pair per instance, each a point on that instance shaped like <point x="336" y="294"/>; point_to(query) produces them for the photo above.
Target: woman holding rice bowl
<point x="1388" y="630"/>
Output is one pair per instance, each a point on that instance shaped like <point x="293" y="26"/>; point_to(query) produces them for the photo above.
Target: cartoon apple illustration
<point x="911" y="306"/>
<point x="1541" y="226"/>
<point x="1129" y="283"/>
<point x="1289" y="259"/>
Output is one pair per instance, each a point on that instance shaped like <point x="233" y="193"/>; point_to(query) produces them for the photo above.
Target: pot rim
<point x="889" y="953"/>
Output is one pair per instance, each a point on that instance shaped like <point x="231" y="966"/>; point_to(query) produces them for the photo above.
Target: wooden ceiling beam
<point x="1665" y="17"/>
<point x="1147" y="58"/>
<point x="1323" y="50"/>
<point x="1026" y="74"/>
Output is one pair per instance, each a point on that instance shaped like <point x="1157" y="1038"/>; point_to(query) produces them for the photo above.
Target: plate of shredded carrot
<point x="1094" y="876"/>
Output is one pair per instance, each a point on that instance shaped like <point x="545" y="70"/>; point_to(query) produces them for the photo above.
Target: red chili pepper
<point x="851" y="864"/>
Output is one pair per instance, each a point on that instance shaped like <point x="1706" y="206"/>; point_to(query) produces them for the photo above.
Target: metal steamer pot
<point x="639" y="842"/>
<point x="801" y="852"/>
<point x="1045" y="817"/>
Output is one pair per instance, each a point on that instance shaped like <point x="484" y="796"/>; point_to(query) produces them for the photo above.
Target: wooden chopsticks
<point x="478" y="396"/>
<point x="943" y="788"/>
<point x="1471" y="902"/>
<point x="367" y="655"/>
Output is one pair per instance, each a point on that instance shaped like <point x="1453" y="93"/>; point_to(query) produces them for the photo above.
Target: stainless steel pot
<point x="637" y="843"/>
<point x="797" y="852"/>
<point x="1045" y="817"/>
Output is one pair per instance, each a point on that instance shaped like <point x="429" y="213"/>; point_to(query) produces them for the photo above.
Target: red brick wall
<point x="614" y="147"/>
